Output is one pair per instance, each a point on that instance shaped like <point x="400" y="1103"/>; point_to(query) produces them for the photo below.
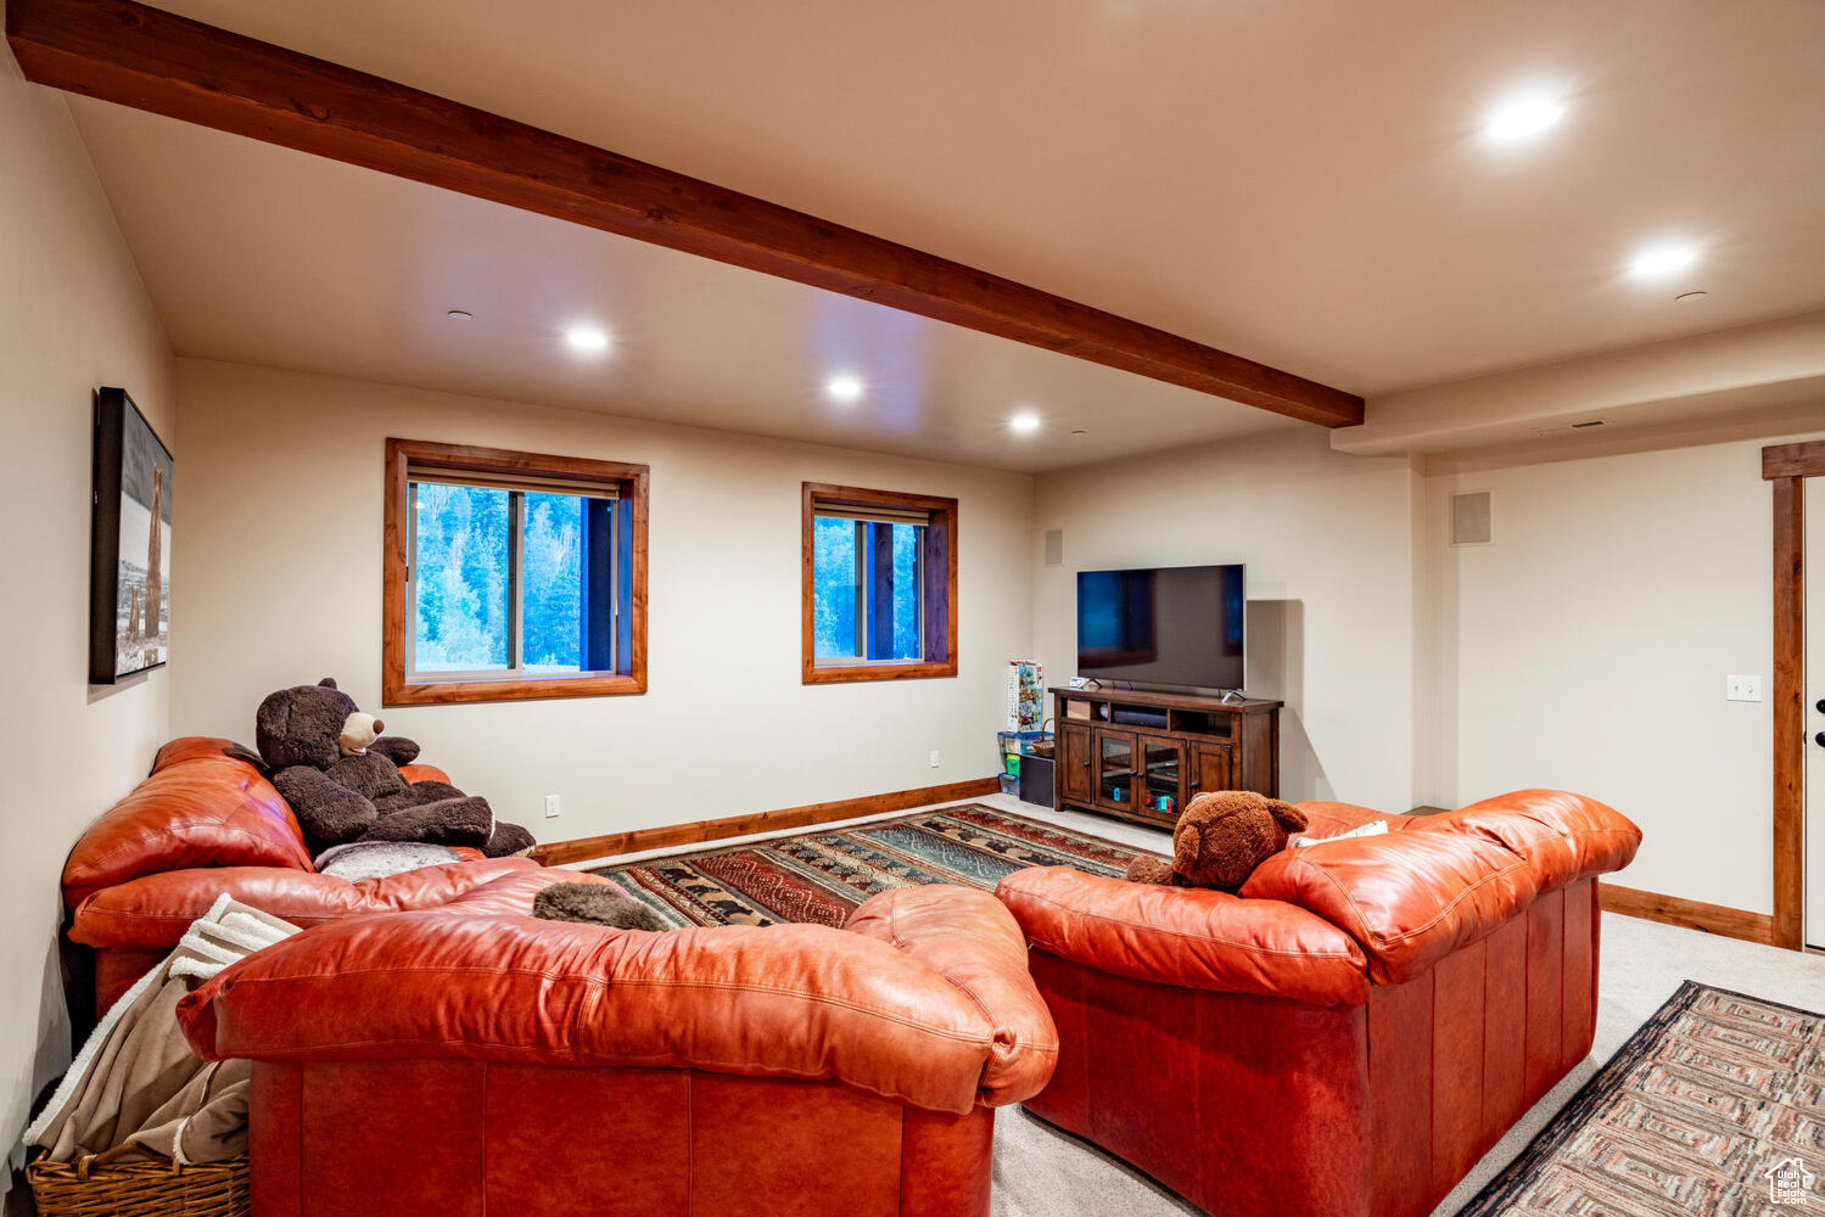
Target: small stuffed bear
<point x="342" y="779"/>
<point x="1222" y="836"/>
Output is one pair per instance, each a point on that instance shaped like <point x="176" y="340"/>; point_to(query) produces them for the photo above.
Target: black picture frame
<point x="132" y="495"/>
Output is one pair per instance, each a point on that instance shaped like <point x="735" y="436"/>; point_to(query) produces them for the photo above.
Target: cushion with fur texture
<point x="464" y="821"/>
<point x="361" y="860"/>
<point x="597" y="903"/>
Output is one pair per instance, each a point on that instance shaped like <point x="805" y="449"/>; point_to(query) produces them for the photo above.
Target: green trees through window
<point x="461" y="578"/>
<point x="866" y="585"/>
<point x="553" y="559"/>
<point x="468" y="575"/>
<point x="511" y="575"/>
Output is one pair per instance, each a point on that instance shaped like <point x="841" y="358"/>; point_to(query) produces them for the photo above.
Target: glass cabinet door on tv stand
<point x="1163" y="778"/>
<point x="1115" y="766"/>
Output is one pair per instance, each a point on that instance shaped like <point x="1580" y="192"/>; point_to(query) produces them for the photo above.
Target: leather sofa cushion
<point x="1408" y="898"/>
<point x="1325" y="820"/>
<point x="1189" y="937"/>
<point x="155" y="910"/>
<point x="969" y="938"/>
<point x="793" y="1001"/>
<point x="513" y="892"/>
<point x="199" y="808"/>
<point x="1441" y="882"/>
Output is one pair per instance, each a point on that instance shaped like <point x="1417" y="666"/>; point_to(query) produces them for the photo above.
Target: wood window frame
<point x="937" y="556"/>
<point x="630" y="483"/>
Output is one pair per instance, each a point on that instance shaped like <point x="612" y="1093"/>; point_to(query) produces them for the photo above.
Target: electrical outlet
<point x="551" y="807"/>
<point x="1742" y="688"/>
<point x="934" y="758"/>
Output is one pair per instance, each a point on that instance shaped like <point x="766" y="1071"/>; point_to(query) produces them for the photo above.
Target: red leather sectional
<point x="1351" y="1033"/>
<point x="469" y="1060"/>
<point x="1345" y="1037"/>
<point x="203" y="824"/>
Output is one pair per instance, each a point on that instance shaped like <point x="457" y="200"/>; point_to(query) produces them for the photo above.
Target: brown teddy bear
<point x="1222" y="836"/>
<point x="341" y="778"/>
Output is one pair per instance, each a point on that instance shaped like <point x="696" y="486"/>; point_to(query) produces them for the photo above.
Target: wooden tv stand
<point x="1126" y="768"/>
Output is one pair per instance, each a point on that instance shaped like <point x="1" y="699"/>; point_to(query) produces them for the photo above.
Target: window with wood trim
<point x="511" y="575"/>
<point x="880" y="584"/>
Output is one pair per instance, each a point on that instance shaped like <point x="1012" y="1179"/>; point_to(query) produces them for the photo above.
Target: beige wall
<point x="1327" y="539"/>
<point x="1587" y="648"/>
<point x="73" y="317"/>
<point x="279" y="581"/>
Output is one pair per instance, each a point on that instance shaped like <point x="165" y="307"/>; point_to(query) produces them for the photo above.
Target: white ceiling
<point x="1301" y="182"/>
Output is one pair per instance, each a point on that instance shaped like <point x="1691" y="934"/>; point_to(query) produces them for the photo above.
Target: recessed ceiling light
<point x="458" y="314"/>
<point x="1079" y="433"/>
<point x="1688" y="297"/>
<point x="1024" y="423"/>
<point x="586" y="338"/>
<point x="1522" y="116"/>
<point x="1663" y="259"/>
<point x="844" y="387"/>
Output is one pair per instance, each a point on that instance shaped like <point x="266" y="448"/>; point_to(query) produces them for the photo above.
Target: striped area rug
<point x="1715" y="1106"/>
<point x="821" y="876"/>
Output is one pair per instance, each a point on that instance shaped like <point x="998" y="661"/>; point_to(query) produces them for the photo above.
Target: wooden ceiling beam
<point x="134" y="55"/>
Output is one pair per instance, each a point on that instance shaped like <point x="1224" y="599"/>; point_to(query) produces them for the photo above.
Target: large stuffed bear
<point x="1221" y="837"/>
<point x="342" y="779"/>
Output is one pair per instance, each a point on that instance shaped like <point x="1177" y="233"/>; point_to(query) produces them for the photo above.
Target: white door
<point x="1815" y="718"/>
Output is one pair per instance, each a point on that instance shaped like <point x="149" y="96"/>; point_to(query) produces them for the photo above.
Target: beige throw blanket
<point x="136" y="1082"/>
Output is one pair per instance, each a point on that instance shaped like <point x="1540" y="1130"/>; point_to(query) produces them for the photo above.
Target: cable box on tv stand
<point x="1135" y="716"/>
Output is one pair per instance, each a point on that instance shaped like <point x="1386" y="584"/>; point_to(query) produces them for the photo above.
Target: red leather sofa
<point x="1349" y="1034"/>
<point x="470" y="1059"/>
<point x="205" y="823"/>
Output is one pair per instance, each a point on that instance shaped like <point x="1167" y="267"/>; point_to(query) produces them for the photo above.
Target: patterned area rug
<point x="821" y="876"/>
<point x="1715" y="1106"/>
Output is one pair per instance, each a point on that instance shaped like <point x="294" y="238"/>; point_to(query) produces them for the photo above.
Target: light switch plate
<point x="1742" y="688"/>
<point x="551" y="806"/>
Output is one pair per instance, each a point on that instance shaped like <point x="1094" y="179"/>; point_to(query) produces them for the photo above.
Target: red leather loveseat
<point x="470" y="1059"/>
<point x="203" y="824"/>
<point x="1351" y="1033"/>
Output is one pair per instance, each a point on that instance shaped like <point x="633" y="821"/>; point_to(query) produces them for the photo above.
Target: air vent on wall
<point x="1471" y="518"/>
<point x="1055" y="547"/>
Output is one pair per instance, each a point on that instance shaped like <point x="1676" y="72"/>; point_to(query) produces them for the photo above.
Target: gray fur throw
<point x="599" y="903"/>
<point x="359" y="860"/>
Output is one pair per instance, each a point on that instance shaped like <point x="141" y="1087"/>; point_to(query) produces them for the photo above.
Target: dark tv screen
<point x="1173" y="625"/>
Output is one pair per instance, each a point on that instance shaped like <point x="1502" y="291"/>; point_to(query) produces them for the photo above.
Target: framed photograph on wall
<point x="129" y="543"/>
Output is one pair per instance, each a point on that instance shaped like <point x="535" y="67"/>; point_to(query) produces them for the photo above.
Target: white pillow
<point x="1374" y="828"/>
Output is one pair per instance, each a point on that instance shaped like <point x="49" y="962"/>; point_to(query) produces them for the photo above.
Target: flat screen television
<point x="1170" y="625"/>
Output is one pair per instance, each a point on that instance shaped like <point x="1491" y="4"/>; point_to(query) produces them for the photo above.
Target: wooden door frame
<point x="1788" y="466"/>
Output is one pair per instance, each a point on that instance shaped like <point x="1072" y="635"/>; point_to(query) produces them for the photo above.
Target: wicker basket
<point x="139" y="1187"/>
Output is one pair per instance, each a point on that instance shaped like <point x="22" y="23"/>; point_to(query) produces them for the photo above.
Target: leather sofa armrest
<point x="1565" y="837"/>
<point x="201" y="807"/>
<point x="154" y="911"/>
<point x="1410" y="898"/>
<point x="970" y="939"/>
<point x="793" y="1001"/>
<point x="1190" y="937"/>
